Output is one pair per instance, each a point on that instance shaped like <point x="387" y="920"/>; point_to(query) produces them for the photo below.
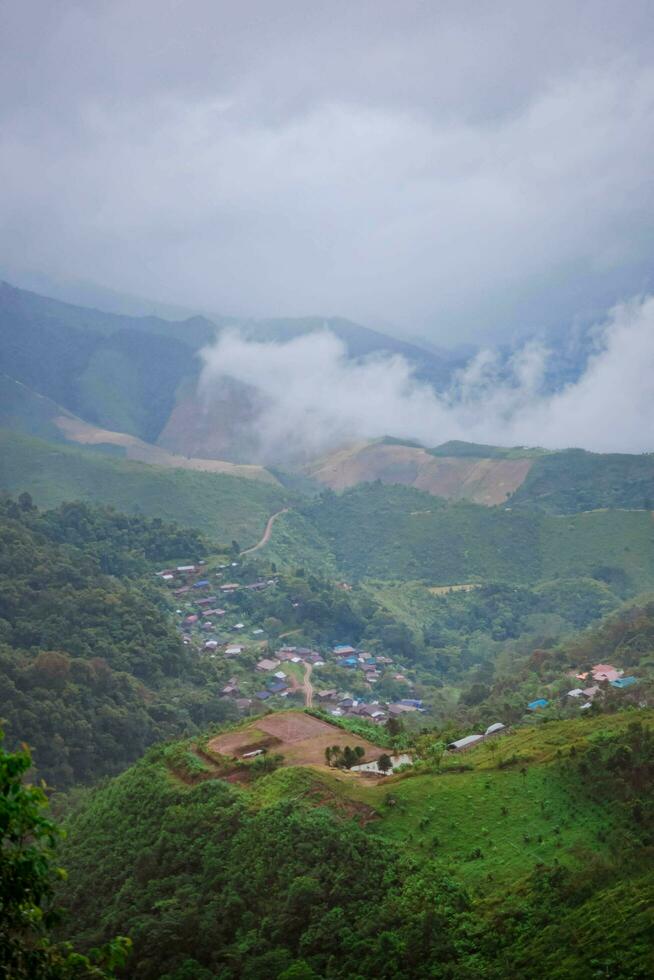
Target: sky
<point x="462" y="171"/>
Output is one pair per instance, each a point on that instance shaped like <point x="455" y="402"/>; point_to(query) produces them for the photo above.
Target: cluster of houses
<point x="596" y="680"/>
<point x="205" y="622"/>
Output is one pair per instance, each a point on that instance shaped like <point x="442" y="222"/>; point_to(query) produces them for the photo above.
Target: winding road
<point x="308" y="686"/>
<point x="266" y="534"/>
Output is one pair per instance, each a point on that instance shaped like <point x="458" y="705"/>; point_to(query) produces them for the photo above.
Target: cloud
<point x="314" y="398"/>
<point x="459" y="170"/>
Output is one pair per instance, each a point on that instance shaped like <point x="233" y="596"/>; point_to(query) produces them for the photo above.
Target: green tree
<point x="28" y="874"/>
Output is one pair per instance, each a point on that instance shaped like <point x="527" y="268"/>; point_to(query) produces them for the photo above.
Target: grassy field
<point x="226" y="508"/>
<point x="458" y="817"/>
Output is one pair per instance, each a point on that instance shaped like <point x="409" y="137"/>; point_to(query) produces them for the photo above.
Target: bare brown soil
<point x="482" y="481"/>
<point x="302" y="739"/>
<point x="82" y="433"/>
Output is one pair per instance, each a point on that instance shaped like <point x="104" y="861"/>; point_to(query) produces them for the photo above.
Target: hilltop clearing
<point x="564" y="482"/>
<point x="482" y="481"/>
<point x="300" y="738"/>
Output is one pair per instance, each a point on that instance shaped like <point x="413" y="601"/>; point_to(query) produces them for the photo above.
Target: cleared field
<point x="300" y="738"/>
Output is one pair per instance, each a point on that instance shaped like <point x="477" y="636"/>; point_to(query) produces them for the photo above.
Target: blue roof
<point x="276" y="687"/>
<point x="262" y="695"/>
<point x="539" y="703"/>
<point x="201" y="585"/>
<point x="624" y="682"/>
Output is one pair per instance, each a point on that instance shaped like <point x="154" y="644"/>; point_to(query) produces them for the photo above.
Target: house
<point x="202" y="584"/>
<point x="575" y="693"/>
<point x="621" y="682"/>
<point x="266" y="664"/>
<point x="257" y="632"/>
<point x="168" y="577"/>
<point x="538" y="703"/>
<point x="343" y="650"/>
<point x="231" y="687"/>
<point x="603" y="672"/>
<point x="326" y="695"/>
<point x="238" y="626"/>
<point x="185" y="568"/>
<point x="253" y="754"/>
<point x="373" y="711"/>
<point x="590" y="692"/>
<point x="191" y="620"/>
<point x="413" y="702"/>
<point x="461" y="744"/>
<point x="277" y="687"/>
<point x="211" y="645"/>
<point x="263" y="695"/>
<point x="400" y="709"/>
<point x="280" y="675"/>
<point x="230" y="587"/>
<point x="233" y="651"/>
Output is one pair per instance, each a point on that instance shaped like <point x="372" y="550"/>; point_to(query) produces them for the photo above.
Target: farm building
<point x="461" y="744"/>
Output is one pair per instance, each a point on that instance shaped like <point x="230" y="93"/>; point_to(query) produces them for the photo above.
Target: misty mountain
<point x="139" y="374"/>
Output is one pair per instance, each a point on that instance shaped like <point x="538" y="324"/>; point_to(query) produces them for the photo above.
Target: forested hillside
<point x="395" y="532"/>
<point x="573" y="481"/>
<point x="91" y="669"/>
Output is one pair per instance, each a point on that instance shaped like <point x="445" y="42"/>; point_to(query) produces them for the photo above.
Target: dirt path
<point x="266" y="534"/>
<point x="308" y="686"/>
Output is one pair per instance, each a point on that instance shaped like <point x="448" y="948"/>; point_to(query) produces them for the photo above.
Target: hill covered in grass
<point x="399" y="533"/>
<point x="451" y="871"/>
<point x="224" y="507"/>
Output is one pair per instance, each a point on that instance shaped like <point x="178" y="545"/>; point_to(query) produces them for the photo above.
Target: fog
<point x="469" y="172"/>
<point x="314" y="398"/>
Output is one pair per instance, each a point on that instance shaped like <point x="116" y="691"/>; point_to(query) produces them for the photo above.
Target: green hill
<point x="574" y="480"/>
<point x="225" y="508"/>
<point x="458" y="870"/>
<point x="399" y="533"/>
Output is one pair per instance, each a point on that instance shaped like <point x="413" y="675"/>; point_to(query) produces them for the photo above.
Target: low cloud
<point x="313" y="398"/>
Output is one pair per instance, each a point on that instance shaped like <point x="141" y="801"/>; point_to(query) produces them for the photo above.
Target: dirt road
<point x="308" y="686"/>
<point x="266" y="534"/>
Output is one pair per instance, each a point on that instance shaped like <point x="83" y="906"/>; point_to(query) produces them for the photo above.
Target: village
<point x="266" y="670"/>
<point x="220" y="615"/>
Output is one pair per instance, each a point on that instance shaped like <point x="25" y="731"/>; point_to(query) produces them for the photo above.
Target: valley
<point x="386" y="698"/>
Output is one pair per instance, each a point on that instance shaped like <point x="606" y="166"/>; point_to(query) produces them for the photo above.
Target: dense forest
<point x="89" y="659"/>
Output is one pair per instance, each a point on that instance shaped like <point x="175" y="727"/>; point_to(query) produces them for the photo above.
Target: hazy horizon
<point x="458" y="173"/>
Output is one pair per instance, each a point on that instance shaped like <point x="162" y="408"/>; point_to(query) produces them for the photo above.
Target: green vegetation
<point x="91" y="669"/>
<point x="399" y="533"/>
<point x="224" y="507"/>
<point x="28" y="876"/>
<point x="574" y="480"/>
<point x="463" y="873"/>
<point x="116" y="371"/>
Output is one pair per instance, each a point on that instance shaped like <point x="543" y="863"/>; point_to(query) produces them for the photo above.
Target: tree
<point x="27" y="878"/>
<point x="384" y="763"/>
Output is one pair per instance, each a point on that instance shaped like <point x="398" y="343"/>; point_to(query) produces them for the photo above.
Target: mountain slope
<point x="224" y="507"/>
<point x="400" y="533"/>
<point x="481" y="480"/>
<point x="565" y="482"/>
